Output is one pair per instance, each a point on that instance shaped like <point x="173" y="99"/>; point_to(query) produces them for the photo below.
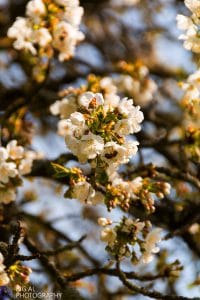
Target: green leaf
<point x="60" y="171"/>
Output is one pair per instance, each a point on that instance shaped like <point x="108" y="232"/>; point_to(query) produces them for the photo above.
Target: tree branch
<point x="115" y="273"/>
<point x="144" y="291"/>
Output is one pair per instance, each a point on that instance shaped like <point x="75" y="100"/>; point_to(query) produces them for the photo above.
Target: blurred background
<point x="144" y="33"/>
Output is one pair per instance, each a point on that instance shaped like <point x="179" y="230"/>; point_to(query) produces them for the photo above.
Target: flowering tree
<point x="127" y="171"/>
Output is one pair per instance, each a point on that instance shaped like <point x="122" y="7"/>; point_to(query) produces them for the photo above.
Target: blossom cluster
<point x="19" y="274"/>
<point x="191" y="104"/>
<point x="191" y="26"/>
<point x="191" y="88"/>
<point x="139" y="189"/>
<point x="191" y="97"/>
<point x="97" y="130"/>
<point x="122" y="238"/>
<point x="69" y="102"/>
<point x="49" y="25"/>
<point x="15" y="162"/>
<point x="135" y="82"/>
<point x="98" y="127"/>
<point x="79" y="187"/>
<point x="16" y="274"/>
<point x="108" y="87"/>
<point x="97" y="133"/>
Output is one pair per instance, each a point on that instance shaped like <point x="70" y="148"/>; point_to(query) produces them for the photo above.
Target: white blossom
<point x="74" y="130"/>
<point x="25" y="166"/>
<point x="146" y="92"/>
<point x="85" y="193"/>
<point x="125" y="106"/>
<point x="42" y="37"/>
<point x="131" y="124"/>
<point x="150" y="246"/>
<point x="15" y="151"/>
<point x="86" y="98"/>
<point x="191" y="101"/>
<point x="191" y="26"/>
<point x="73" y="144"/>
<point x="90" y="146"/>
<point x="104" y="222"/>
<point x="35" y="8"/>
<point x="115" y="154"/>
<point x="139" y="225"/>
<point x="77" y="119"/>
<point x="70" y="3"/>
<point x="37" y="30"/>
<point x="131" y="148"/>
<point x="81" y="191"/>
<point x="3" y="154"/>
<point x="106" y="83"/>
<point x="65" y="38"/>
<point x="127" y="83"/>
<point x="183" y="22"/>
<point x="64" y="108"/>
<point x="124" y="127"/>
<point x="21" y="31"/>
<point x="192" y="87"/>
<point x="194" y="228"/>
<point x="108" y="235"/>
<point x="136" y="184"/>
<point x="111" y="99"/>
<point x="191" y="40"/>
<point x="131" y="187"/>
<point x="141" y="88"/>
<point x="63" y="128"/>
<point x="7" y="195"/>
<point x="73" y="14"/>
<point x="194" y="6"/>
<point x="7" y="170"/>
<point x="129" y="224"/>
<point x="55" y="108"/>
<point x="167" y="188"/>
<point x="14" y="161"/>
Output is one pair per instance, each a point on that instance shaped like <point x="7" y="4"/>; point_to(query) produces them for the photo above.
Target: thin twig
<point x="47" y="225"/>
<point x="51" y="252"/>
